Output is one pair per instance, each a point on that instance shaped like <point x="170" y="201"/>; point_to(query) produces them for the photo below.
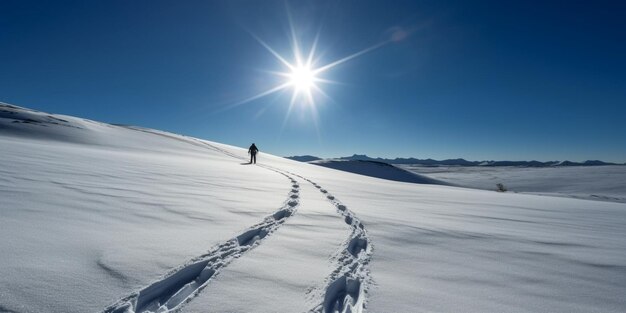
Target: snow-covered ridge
<point x="20" y="121"/>
<point x="378" y="170"/>
<point x="25" y="123"/>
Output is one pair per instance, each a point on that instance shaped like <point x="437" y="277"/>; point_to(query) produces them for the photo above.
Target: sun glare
<point x="302" y="74"/>
<point x="302" y="78"/>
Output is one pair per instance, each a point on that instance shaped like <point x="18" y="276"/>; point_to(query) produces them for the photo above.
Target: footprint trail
<point x="347" y="285"/>
<point x="182" y="284"/>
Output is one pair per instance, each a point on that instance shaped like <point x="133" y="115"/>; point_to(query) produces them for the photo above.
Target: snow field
<point x="605" y="183"/>
<point x="100" y="217"/>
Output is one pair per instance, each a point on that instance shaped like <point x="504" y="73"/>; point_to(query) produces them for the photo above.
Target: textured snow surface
<point x="96" y="217"/>
<point x="605" y="183"/>
<point x="378" y="170"/>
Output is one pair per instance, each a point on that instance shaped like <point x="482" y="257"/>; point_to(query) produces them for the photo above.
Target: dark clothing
<point x="253" y="151"/>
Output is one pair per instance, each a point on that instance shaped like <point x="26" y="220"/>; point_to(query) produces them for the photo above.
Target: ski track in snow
<point x="346" y="286"/>
<point x="182" y="284"/>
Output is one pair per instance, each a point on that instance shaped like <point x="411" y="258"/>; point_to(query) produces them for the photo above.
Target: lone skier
<point x="252" y="152"/>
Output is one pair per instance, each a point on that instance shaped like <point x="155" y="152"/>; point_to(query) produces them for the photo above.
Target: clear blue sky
<point x="517" y="80"/>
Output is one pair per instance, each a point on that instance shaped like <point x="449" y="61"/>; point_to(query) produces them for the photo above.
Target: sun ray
<point x="294" y="96"/>
<point x="309" y="61"/>
<point x="323" y="93"/>
<point x="350" y="57"/>
<point x="260" y="95"/>
<point x="328" y="81"/>
<point x="274" y="53"/>
<point x="315" y="117"/>
<point x="294" y="38"/>
<point x="283" y="74"/>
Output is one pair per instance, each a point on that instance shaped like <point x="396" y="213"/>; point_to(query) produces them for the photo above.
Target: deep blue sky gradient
<point x="481" y="80"/>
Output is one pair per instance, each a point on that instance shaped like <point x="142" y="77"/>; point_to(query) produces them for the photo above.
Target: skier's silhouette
<point x="252" y="152"/>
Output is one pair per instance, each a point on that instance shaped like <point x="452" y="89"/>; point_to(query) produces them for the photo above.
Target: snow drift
<point x="378" y="170"/>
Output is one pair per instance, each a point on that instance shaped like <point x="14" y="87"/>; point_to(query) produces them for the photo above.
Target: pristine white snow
<point x="605" y="183"/>
<point x="378" y="170"/>
<point x="96" y="217"/>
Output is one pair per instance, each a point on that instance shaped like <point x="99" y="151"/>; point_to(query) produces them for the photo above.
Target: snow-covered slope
<point x="96" y="217"/>
<point x="604" y="183"/>
<point x="378" y="170"/>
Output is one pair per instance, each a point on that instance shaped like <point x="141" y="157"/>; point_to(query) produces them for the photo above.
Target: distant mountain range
<point x="458" y="162"/>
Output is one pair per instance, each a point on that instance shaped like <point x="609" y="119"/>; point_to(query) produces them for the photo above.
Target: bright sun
<point x="302" y="73"/>
<point x="302" y="78"/>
